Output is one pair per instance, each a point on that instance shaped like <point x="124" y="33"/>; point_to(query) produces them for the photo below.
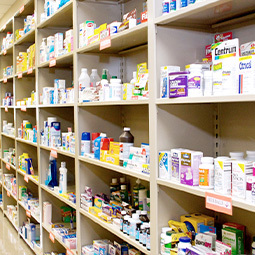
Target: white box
<point x="47" y="213"/>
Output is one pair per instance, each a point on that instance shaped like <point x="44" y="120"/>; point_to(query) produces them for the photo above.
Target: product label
<point x="204" y="177"/>
<point x="175" y="167"/>
<point x="184" y="3"/>
<point x="166" y="6"/>
<point x="137" y="232"/>
<point x="195" y="82"/>
<point x="172" y="5"/>
<point x="125" y="150"/>
<point x="181" y="251"/>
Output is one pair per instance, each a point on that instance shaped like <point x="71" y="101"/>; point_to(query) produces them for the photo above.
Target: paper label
<point x="28" y="213"/>
<point x="23" y="108"/>
<point x="30" y="70"/>
<point x="5" y="79"/>
<point x="8" y="193"/>
<point x="19" y="75"/>
<point x="26" y="178"/>
<point x="5" y="52"/>
<point x="105" y="39"/>
<point x="6" y="108"/>
<point x="8" y="166"/>
<point x="54" y="153"/>
<point x="52" y="237"/>
<point x="53" y="62"/>
<point x="68" y="252"/>
<point x="21" y="9"/>
<point x="218" y="203"/>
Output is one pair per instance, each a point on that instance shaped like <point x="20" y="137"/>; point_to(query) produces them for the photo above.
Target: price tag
<point x="26" y="179"/>
<point x="6" y="108"/>
<point x="30" y="70"/>
<point x="8" y="166"/>
<point x="54" y="153"/>
<point x="4" y="27"/>
<point x="8" y="193"/>
<point x="105" y="39"/>
<point x="28" y="213"/>
<point x="19" y="75"/>
<point x="218" y="203"/>
<point x="52" y="237"/>
<point x="21" y="9"/>
<point x="23" y="108"/>
<point x="5" y="79"/>
<point x="69" y="252"/>
<point x="53" y="62"/>
<point x="5" y="52"/>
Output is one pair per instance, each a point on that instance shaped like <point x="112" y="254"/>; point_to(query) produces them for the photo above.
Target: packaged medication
<point x="222" y="248"/>
<point x="165" y="7"/>
<point x="225" y="59"/>
<point x="164" y="79"/>
<point x="247" y="75"/>
<point x="165" y="165"/>
<point x="176" y="164"/>
<point x="206" y="173"/>
<point x="223" y="177"/>
<point x="195" y="80"/>
<point x="178" y="84"/>
<point x="208" y="83"/>
<point x="247" y="49"/>
<point x="192" y="223"/>
<point x="189" y="173"/>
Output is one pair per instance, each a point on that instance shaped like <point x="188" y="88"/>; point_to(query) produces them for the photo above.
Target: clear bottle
<point x="126" y="140"/>
<point x="43" y="51"/>
<point x="184" y="243"/>
<point x="63" y="178"/>
<point x="134" y="80"/>
<point x="84" y="82"/>
<point x="94" y="78"/>
<point x="206" y="173"/>
<point x="123" y="214"/>
<point x="125" y="224"/>
<point x="141" y="234"/>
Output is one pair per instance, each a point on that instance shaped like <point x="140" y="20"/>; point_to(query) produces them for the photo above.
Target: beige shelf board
<point x="210" y="15"/>
<point x="55" y="105"/>
<point x="30" y="177"/>
<point x="12" y="166"/>
<point x="57" y="20"/>
<point x="7" y="190"/>
<point x="59" y="151"/>
<point x="115" y="231"/>
<point x="1" y="206"/>
<point x="48" y="229"/>
<point x="239" y="203"/>
<point x="9" y="218"/>
<point x="26" y="141"/>
<point x="26" y="106"/>
<point x="30" y="245"/>
<point x="9" y="136"/>
<point x="206" y="99"/>
<point x="25" y="74"/>
<point x="121" y="41"/>
<point x="25" y="208"/>
<point x="55" y="194"/>
<point x="7" y="27"/>
<point x="9" y="107"/>
<point x="9" y="51"/>
<point x="28" y="9"/>
<point x="120" y="102"/>
<point x="26" y="38"/>
<point x="65" y="60"/>
<point x="119" y="169"/>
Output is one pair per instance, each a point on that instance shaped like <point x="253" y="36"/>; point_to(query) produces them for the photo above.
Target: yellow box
<point x="103" y="154"/>
<point x="94" y="211"/>
<point x="105" y="217"/>
<point x="178" y="227"/>
<point x="112" y="159"/>
<point x="114" y="148"/>
<point x="195" y="223"/>
<point x="208" y="220"/>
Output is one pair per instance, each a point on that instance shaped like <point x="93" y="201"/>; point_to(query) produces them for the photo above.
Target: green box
<point x="234" y="238"/>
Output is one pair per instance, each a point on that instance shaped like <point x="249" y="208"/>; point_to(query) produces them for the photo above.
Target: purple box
<point x="178" y="84"/>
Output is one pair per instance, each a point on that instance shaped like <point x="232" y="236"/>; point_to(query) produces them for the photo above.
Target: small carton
<point x="247" y="49"/>
<point x="176" y="164"/>
<point x="208" y="221"/>
<point x="194" y="223"/>
<point x="178" y="84"/>
<point x="222" y="248"/>
<point x="165" y="165"/>
<point x="100" y="247"/>
<point x="205" y="240"/>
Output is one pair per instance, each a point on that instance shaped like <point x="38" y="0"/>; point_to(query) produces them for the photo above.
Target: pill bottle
<point x="184" y="243"/>
<point x="208" y="83"/>
<point x="142" y="228"/>
<point x="250" y="156"/>
<point x="115" y="90"/>
<point x="143" y="217"/>
<point x="168" y="242"/>
<point x="195" y="81"/>
<point x="123" y="214"/>
<point x="206" y="173"/>
<point x="163" y="238"/>
<point x="236" y="155"/>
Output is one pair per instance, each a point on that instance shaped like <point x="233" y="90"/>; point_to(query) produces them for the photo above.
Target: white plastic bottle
<point x="195" y="81"/>
<point x="94" y="78"/>
<point x="163" y="238"/>
<point x="115" y="90"/>
<point x="43" y="51"/>
<point x="85" y="143"/>
<point x="104" y="92"/>
<point x="165" y="7"/>
<point x="184" y="243"/>
<point x="208" y="83"/>
<point x="134" y="80"/>
<point x="84" y="82"/>
<point x="63" y="178"/>
<point x="238" y="155"/>
<point x="206" y="173"/>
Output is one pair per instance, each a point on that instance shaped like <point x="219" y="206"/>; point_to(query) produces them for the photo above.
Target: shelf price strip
<point x="69" y="252"/>
<point x="30" y="70"/>
<point x="5" y="79"/>
<point x="26" y="178"/>
<point x="8" y="166"/>
<point x="54" y="153"/>
<point x="19" y="75"/>
<point x="6" y="108"/>
<point x="52" y="237"/>
<point x="23" y="108"/>
<point x="21" y="9"/>
<point x="53" y="62"/>
<point x="8" y="193"/>
<point x="28" y="213"/>
<point x="105" y="39"/>
<point x="218" y="203"/>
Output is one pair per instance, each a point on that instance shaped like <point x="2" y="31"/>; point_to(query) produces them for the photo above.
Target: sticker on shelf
<point x="5" y="52"/>
<point x="5" y="79"/>
<point x="54" y="153"/>
<point x="52" y="237"/>
<point x="26" y="179"/>
<point x="218" y="203"/>
<point x="19" y="75"/>
<point x="8" y="166"/>
<point x="28" y="213"/>
<point x="4" y="27"/>
<point x="23" y="108"/>
<point x="8" y="193"/>
<point x="6" y="108"/>
<point x="69" y="252"/>
<point x="53" y="62"/>
<point x="105" y="39"/>
<point x="223" y="8"/>
<point x="21" y="8"/>
<point x="30" y="70"/>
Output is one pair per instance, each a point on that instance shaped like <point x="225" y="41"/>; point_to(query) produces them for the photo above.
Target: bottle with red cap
<point x="94" y="136"/>
<point x="104" y="148"/>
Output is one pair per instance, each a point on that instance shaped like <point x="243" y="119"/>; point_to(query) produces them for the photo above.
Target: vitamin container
<point x="238" y="155"/>
<point x="163" y="238"/>
<point x="195" y="80"/>
<point x="184" y="243"/>
<point x="250" y="156"/>
<point x="206" y="173"/>
<point x="208" y="83"/>
<point x="115" y="90"/>
<point x="165" y="7"/>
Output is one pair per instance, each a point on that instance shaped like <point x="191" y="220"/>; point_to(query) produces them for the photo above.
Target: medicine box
<point x="100" y="247"/>
<point x="176" y="164"/>
<point x="165" y="165"/>
<point x="178" y="84"/>
<point x="205" y="240"/>
<point x="192" y="223"/>
<point x="247" y="49"/>
<point x="223" y="248"/>
<point x="208" y="220"/>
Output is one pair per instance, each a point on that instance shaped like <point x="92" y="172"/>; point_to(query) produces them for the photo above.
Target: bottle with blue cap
<point x="184" y="243"/>
<point x="85" y="143"/>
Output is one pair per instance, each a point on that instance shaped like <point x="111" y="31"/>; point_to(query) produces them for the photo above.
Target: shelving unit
<point x="200" y="123"/>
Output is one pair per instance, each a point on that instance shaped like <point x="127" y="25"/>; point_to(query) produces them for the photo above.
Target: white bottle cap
<point x="207" y="160"/>
<point x="165" y="229"/>
<point x="123" y="212"/>
<point x="143" y="212"/>
<point x="63" y="164"/>
<point x="123" y="187"/>
<point x="84" y="70"/>
<point x="114" y="180"/>
<point x="126" y="129"/>
<point x="103" y="135"/>
<point x="236" y="154"/>
<point x="250" y="153"/>
<point x="94" y="70"/>
<point x="138" y="212"/>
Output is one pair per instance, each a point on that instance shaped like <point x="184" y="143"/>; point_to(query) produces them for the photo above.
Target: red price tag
<point x="53" y="62"/>
<point x="28" y="213"/>
<point x="68" y="252"/>
<point x="52" y="237"/>
<point x="218" y="203"/>
<point x="8" y="166"/>
<point x="8" y="193"/>
<point x="23" y="108"/>
<point x="26" y="178"/>
<point x="5" y="79"/>
<point x="4" y="27"/>
<point x="21" y="9"/>
<point x="30" y="70"/>
<point x="6" y="108"/>
<point x="54" y="153"/>
<point x="19" y="75"/>
<point x="5" y="52"/>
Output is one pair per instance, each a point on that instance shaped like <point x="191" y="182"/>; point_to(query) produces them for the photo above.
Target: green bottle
<point x="124" y="193"/>
<point x="136" y="189"/>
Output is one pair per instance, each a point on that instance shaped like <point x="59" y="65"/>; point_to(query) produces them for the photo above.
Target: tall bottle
<point x="126" y="140"/>
<point x="136" y="189"/>
<point x="63" y="178"/>
<point x="43" y="51"/>
<point x="94" y="78"/>
<point x="52" y="179"/>
<point x="104" y="92"/>
<point x="84" y="82"/>
<point x="134" y="80"/>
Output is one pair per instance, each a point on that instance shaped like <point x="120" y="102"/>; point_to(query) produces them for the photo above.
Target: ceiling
<point x="5" y="5"/>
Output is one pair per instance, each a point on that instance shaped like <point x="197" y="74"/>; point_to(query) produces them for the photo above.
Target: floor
<point x="10" y="242"/>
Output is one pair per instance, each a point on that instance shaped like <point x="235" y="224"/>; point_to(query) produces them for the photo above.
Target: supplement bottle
<point x="133" y="226"/>
<point x="94" y="136"/>
<point x="168" y="242"/>
<point x="195" y="81"/>
<point x="124" y="193"/>
<point x="126" y="140"/>
<point x="143" y="217"/>
<point x="236" y="155"/>
<point x="137" y="231"/>
<point x="136" y="189"/>
<point x="250" y="156"/>
<point x="184" y="243"/>
<point x="97" y="144"/>
<point x="85" y="143"/>
<point x="114" y="186"/>
<point x="125" y="224"/>
<point x="134" y="80"/>
<point x="84" y="82"/>
<point x="123" y="214"/>
<point x="63" y="178"/>
<point x="148" y="238"/>
<point x="206" y="173"/>
<point x="163" y="238"/>
<point x="115" y="90"/>
<point x="141" y="234"/>
<point x="208" y="83"/>
<point x="253" y="246"/>
<point x="94" y="78"/>
<point x="146" y="226"/>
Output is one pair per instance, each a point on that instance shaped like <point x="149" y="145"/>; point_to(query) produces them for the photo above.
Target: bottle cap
<point x="123" y="213"/>
<point x="104" y="74"/>
<point x="236" y="154"/>
<point x="103" y="135"/>
<point x="138" y="212"/>
<point x="207" y="160"/>
<point x="84" y="70"/>
<point x="143" y="212"/>
<point x="126" y="129"/>
<point x="184" y="239"/>
<point x="114" y="180"/>
<point x="85" y="136"/>
<point x="123" y="187"/>
<point x="94" y="70"/>
<point x="166" y="229"/>
<point x="135" y="216"/>
<point x="114" y="77"/>
<point x="138" y="181"/>
<point x="63" y="164"/>
<point x="169" y="233"/>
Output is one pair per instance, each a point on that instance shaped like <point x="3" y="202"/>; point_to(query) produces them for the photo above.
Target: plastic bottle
<point x="94" y="136"/>
<point x="97" y="143"/>
<point x="168" y="242"/>
<point x="94" y="78"/>
<point x="184" y="243"/>
<point x="174" y="5"/>
<point x="125" y="224"/>
<point x="124" y="193"/>
<point x="52" y="176"/>
<point x="114" y="186"/>
<point x="236" y="155"/>
<point x="123" y="214"/>
<point x="137" y="231"/>
<point x="195" y="80"/>
<point x="184" y="3"/>
<point x="141" y="234"/>
<point x="63" y="178"/>
<point x="143" y="217"/>
<point x="250" y="155"/>
<point x="43" y="51"/>
<point x="165" y="7"/>
<point x="104" y="92"/>
<point x="126" y="140"/>
<point x="253" y="246"/>
<point x="146" y="226"/>
<point x="84" y="82"/>
<point x="134" y="80"/>
<point x="115" y="90"/>
<point x="85" y="143"/>
<point x="206" y="173"/>
<point x="208" y="83"/>
<point x="148" y="238"/>
<point x="163" y="238"/>
<point x="133" y="225"/>
<point x="138" y="186"/>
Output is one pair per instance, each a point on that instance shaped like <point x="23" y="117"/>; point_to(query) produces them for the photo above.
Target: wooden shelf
<point x="30" y="245"/>
<point x="26" y="141"/>
<point x="65" y="60"/>
<point x="8" y="51"/>
<point x="29" y="37"/>
<point x="123" y="102"/>
<point x="12" y="166"/>
<point x="59" y="151"/>
<point x="28" y="9"/>
<point x="10" y="193"/>
<point x="8" y="78"/>
<point x="25" y="74"/>
<point x="9" y="136"/>
<point x="31" y="178"/>
<point x="55" y="105"/>
<point x="9" y="218"/>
